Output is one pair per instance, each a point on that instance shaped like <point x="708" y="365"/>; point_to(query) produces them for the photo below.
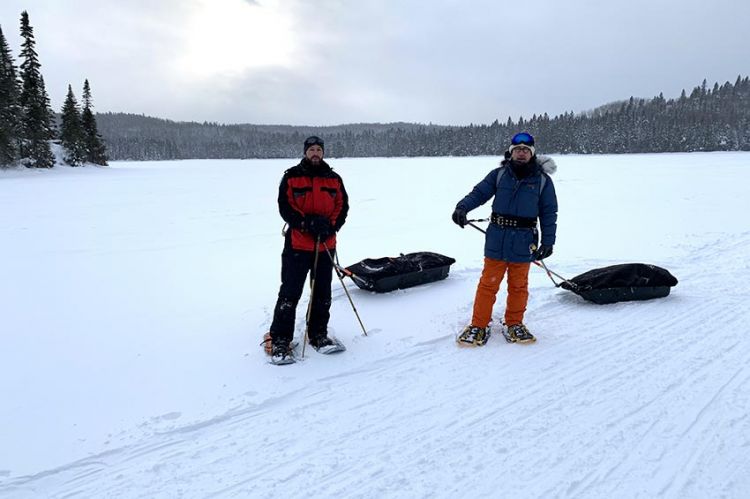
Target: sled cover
<point x="624" y="282"/>
<point x="386" y="274"/>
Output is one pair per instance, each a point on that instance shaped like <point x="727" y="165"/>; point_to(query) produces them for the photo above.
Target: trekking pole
<point x="341" y="280"/>
<point x="538" y="263"/>
<point x="312" y="294"/>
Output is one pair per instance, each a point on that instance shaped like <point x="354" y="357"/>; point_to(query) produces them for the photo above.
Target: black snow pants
<point x="295" y="265"/>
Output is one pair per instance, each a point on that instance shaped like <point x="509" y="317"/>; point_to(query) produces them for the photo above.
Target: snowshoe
<point x="327" y="345"/>
<point x="518" y="333"/>
<point x="482" y="336"/>
<point x="282" y="354"/>
<point x="473" y="336"/>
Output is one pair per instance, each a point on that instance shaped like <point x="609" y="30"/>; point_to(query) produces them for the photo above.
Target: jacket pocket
<point x="298" y="192"/>
<point x="331" y="191"/>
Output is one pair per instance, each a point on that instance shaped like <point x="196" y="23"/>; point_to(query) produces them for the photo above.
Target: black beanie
<point x="313" y="141"/>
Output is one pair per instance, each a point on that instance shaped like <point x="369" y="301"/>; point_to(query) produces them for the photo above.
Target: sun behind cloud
<point x="231" y="36"/>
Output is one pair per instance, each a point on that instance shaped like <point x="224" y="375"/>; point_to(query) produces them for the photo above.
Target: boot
<point x="518" y="333"/>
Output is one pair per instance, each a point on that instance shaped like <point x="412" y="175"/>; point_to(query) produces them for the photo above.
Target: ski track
<point x="588" y="393"/>
<point x="575" y="415"/>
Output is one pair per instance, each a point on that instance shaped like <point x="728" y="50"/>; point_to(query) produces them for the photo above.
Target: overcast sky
<point x="325" y="62"/>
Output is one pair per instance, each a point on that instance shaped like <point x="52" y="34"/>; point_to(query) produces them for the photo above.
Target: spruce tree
<point x="36" y="114"/>
<point x="71" y="131"/>
<point x="95" y="150"/>
<point x="10" y="112"/>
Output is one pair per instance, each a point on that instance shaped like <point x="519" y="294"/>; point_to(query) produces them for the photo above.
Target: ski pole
<point x="339" y="273"/>
<point x="312" y="294"/>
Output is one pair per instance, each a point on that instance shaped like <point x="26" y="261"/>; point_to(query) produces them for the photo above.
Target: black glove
<point x="459" y="217"/>
<point x="542" y="252"/>
<point x="319" y="226"/>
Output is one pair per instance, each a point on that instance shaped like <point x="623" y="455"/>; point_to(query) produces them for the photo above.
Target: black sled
<point x="616" y="283"/>
<point x="624" y="282"/>
<point x="390" y="273"/>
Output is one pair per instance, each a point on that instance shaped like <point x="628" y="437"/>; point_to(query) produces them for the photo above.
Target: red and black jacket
<point x="308" y="189"/>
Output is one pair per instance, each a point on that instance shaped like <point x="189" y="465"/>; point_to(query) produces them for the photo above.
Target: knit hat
<point x="523" y="139"/>
<point x="313" y="141"/>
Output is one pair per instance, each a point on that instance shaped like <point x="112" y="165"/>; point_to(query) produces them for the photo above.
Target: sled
<point x="382" y="275"/>
<point x="616" y="283"/>
<point x="624" y="282"/>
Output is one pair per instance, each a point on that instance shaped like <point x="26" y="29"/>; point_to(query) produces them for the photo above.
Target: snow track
<point x="629" y="400"/>
<point x="639" y="411"/>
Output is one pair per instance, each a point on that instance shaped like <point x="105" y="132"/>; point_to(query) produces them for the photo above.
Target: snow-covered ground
<point x="133" y="299"/>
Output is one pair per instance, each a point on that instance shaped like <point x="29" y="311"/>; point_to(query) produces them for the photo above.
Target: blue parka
<point x="528" y="197"/>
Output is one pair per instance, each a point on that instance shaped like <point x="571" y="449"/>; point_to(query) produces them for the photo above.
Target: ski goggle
<point x="522" y="139"/>
<point x="313" y="141"/>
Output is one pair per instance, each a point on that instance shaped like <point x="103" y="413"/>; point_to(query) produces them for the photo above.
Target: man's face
<point x="521" y="154"/>
<point x="314" y="154"/>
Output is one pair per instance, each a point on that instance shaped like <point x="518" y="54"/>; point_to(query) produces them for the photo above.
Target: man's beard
<point x="522" y="170"/>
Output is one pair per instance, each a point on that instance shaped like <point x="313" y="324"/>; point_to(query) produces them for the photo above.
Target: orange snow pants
<point x="489" y="284"/>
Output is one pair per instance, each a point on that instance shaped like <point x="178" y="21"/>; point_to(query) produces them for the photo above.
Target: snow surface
<point x="133" y="299"/>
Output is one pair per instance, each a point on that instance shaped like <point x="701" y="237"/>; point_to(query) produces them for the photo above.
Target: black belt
<point x="510" y="221"/>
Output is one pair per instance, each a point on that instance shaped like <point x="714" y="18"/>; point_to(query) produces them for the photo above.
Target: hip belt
<point x="511" y="221"/>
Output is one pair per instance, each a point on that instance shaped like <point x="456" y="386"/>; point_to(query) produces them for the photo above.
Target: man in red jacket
<point x="314" y="203"/>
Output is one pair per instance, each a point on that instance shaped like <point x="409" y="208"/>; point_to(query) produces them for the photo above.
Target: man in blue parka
<point x="523" y="194"/>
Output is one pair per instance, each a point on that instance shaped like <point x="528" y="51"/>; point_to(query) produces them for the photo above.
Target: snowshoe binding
<point x="280" y="353"/>
<point x="473" y="336"/>
<point x="518" y="333"/>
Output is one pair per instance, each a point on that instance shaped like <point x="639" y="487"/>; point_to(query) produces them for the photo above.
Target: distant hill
<point x="707" y="119"/>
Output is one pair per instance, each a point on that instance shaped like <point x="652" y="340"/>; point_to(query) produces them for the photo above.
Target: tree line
<point x="706" y="119"/>
<point x="27" y="123"/>
<point x="713" y="118"/>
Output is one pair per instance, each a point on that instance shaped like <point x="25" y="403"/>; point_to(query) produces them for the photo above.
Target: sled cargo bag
<point x="386" y="274"/>
<point x="624" y="282"/>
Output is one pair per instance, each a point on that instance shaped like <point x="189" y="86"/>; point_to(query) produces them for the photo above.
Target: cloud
<point x="330" y="61"/>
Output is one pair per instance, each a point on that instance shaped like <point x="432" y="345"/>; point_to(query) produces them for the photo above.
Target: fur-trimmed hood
<point x="546" y="163"/>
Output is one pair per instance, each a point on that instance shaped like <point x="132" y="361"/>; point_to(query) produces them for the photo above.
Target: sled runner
<point x="624" y="282"/>
<point x="387" y="274"/>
